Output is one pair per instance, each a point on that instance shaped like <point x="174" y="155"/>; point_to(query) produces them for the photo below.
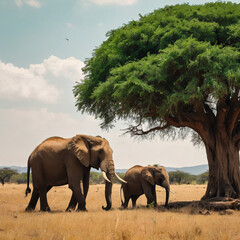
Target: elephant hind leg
<point x="33" y="202"/>
<point x="43" y="199"/>
<point x="34" y="198"/>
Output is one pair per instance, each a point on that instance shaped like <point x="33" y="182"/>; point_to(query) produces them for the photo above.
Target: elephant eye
<point x="100" y="151"/>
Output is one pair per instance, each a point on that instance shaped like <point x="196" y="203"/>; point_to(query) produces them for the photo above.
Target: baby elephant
<point x="142" y="180"/>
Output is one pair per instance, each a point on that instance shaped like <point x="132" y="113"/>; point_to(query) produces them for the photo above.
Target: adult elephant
<point x="143" y="180"/>
<point x="58" y="161"/>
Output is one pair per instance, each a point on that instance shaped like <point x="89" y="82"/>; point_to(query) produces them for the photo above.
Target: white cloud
<point x="41" y="120"/>
<point x="111" y="2"/>
<point x="17" y="83"/>
<point x="19" y="3"/>
<point x="31" y="3"/>
<point x="69" y="68"/>
<point x="33" y="82"/>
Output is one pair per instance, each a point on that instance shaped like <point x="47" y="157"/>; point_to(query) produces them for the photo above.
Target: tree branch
<point x="134" y="130"/>
<point x="191" y="116"/>
<point x="199" y="121"/>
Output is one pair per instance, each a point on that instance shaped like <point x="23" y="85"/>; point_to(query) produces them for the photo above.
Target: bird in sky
<point x="67" y="39"/>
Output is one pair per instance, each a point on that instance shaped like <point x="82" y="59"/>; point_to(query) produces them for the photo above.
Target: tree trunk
<point x="223" y="161"/>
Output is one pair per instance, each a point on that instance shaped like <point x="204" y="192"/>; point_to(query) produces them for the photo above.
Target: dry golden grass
<point x="140" y="223"/>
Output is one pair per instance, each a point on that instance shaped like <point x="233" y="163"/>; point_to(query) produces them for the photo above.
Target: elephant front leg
<point x="79" y="196"/>
<point x="86" y="183"/>
<point x="154" y="195"/>
<point x="72" y="204"/>
<point x="148" y="191"/>
<point x="126" y="201"/>
<point x="134" y="200"/>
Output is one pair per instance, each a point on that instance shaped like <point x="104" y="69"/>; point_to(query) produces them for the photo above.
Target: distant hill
<point x="19" y="169"/>
<point x="195" y="170"/>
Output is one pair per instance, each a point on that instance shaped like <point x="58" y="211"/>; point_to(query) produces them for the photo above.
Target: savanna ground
<point x="140" y="223"/>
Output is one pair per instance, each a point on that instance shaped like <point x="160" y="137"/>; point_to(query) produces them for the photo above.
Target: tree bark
<point x="223" y="161"/>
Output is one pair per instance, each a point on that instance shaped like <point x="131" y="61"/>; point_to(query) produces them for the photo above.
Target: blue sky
<point x="43" y="46"/>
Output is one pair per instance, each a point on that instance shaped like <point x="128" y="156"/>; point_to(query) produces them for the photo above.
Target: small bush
<point x="19" y="178"/>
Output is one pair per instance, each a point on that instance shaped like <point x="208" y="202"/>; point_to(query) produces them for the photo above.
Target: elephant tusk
<point x="120" y="179"/>
<point x="105" y="176"/>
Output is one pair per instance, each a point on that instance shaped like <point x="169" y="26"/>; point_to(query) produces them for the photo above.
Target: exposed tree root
<point x="213" y="204"/>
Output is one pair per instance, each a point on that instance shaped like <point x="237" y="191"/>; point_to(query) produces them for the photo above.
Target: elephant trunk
<point x="108" y="194"/>
<point x="167" y="188"/>
<point x="108" y="185"/>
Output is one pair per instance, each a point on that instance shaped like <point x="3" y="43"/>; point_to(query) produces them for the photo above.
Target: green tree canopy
<point x="181" y="177"/>
<point x="20" y="178"/>
<point x="175" y="68"/>
<point x="202" y="178"/>
<point x="6" y="173"/>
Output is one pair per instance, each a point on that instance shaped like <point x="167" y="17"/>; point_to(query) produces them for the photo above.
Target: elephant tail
<point x="28" y="189"/>
<point x="121" y="190"/>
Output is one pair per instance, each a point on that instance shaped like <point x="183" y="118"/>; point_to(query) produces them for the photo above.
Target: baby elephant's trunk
<point x="167" y="195"/>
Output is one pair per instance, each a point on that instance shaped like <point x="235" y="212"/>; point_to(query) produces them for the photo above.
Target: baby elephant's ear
<point x="79" y="147"/>
<point x="148" y="175"/>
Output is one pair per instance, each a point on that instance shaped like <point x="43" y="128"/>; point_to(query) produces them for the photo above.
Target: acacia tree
<point x="177" y="68"/>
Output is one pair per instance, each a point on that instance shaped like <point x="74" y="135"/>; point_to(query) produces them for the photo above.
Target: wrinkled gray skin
<point x="143" y="180"/>
<point x="59" y="161"/>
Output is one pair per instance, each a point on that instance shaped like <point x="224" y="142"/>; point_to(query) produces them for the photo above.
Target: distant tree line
<point x="8" y="175"/>
<point x="179" y="177"/>
<point x="97" y="178"/>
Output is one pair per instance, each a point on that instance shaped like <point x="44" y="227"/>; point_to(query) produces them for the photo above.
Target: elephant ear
<point x="148" y="175"/>
<point x="92" y="140"/>
<point x="79" y="147"/>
